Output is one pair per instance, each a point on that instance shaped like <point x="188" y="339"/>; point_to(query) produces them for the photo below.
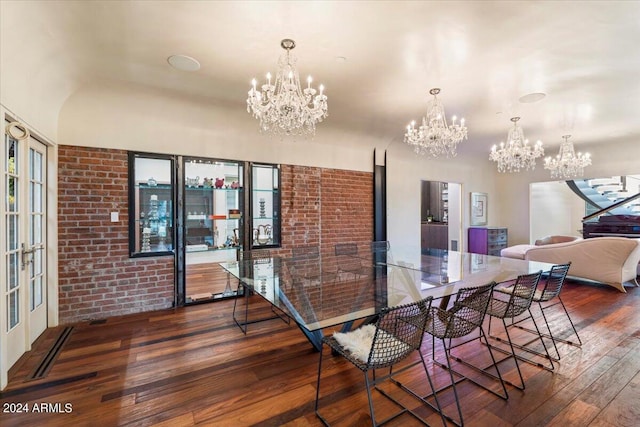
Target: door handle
<point x="25" y="255"/>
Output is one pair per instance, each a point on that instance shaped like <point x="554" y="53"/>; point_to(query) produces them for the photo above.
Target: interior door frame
<point x="50" y="238"/>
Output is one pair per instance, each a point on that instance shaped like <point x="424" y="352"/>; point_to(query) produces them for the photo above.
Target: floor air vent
<point x="46" y="364"/>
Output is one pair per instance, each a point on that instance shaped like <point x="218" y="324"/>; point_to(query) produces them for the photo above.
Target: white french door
<point x="24" y="218"/>
<point x="34" y="250"/>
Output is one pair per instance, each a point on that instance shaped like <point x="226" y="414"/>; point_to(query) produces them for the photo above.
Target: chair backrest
<point x="554" y="282"/>
<point x="346" y="249"/>
<point x="346" y="257"/>
<point x="380" y="246"/>
<point x="399" y="331"/>
<point x="381" y="252"/>
<point x="468" y="310"/>
<point x="521" y="293"/>
<point x="305" y="252"/>
<point x="258" y="254"/>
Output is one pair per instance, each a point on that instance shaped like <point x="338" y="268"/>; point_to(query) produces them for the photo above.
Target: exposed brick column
<point x="324" y="207"/>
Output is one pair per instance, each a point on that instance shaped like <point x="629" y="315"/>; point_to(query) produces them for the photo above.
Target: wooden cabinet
<point x="487" y="240"/>
<point x="434" y="236"/>
<point x="435" y="201"/>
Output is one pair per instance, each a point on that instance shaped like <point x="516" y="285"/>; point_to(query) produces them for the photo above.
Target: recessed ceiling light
<point x="183" y="63"/>
<point x="532" y="97"/>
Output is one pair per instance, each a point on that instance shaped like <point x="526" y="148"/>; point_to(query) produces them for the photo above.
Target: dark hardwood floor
<point x="194" y="366"/>
<point x="203" y="281"/>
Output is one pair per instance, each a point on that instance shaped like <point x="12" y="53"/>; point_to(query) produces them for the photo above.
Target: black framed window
<point x="265" y="205"/>
<point x="151" y="209"/>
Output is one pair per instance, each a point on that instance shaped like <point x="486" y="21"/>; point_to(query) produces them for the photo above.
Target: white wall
<point x="36" y="70"/>
<point x="141" y="119"/>
<point x="555" y="210"/>
<point x="406" y="170"/>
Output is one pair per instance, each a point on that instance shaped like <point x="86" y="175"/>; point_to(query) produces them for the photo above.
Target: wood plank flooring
<point x="203" y="281"/>
<point x="193" y="366"/>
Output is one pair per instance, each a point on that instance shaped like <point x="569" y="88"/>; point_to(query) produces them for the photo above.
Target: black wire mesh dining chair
<point x="546" y="297"/>
<point x="349" y="262"/>
<point x="381" y="251"/>
<point x="397" y="333"/>
<point x="307" y="267"/>
<point x="460" y="321"/>
<point x="509" y="303"/>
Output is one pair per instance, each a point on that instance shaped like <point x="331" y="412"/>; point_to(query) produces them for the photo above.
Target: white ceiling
<point x="484" y="55"/>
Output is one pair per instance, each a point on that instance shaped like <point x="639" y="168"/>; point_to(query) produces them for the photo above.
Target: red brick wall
<point x="97" y="279"/>
<point x="326" y="206"/>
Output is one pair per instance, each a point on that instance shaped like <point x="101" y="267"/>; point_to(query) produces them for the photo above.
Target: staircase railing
<point x="609" y="208"/>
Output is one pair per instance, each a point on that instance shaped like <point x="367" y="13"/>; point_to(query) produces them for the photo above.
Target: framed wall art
<point x="479" y="208"/>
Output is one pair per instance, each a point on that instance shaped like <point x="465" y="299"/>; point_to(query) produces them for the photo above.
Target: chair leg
<point x="368" y="386"/>
<point x="546" y="350"/>
<point x="493" y="359"/>
<point x="438" y="408"/>
<point x="484" y="371"/>
<point x="572" y="325"/>
<point x="453" y="385"/>
<point x="515" y="358"/>
<point x="318" y="390"/>
<point x="549" y="335"/>
<point x="546" y="322"/>
<point x="539" y="336"/>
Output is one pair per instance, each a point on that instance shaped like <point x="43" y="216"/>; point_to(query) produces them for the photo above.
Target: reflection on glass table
<point x="316" y="297"/>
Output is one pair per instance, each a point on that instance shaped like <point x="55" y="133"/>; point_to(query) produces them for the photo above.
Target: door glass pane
<point x="12" y="270"/>
<point x="36" y="165"/>
<point x="36" y="292"/>
<point x="12" y="199"/>
<point x="35" y="197"/>
<point x="14" y="309"/>
<point x="36" y="230"/>
<point x="12" y="232"/>
<point x="151" y="208"/>
<point x="37" y="262"/>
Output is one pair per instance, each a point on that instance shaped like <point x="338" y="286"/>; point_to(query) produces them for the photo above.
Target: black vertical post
<point x="178" y="231"/>
<point x="379" y="199"/>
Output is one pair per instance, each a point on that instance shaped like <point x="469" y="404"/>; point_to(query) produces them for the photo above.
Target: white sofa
<point x="609" y="260"/>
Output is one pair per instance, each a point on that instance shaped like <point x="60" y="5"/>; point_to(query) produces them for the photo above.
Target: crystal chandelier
<point x="434" y="136"/>
<point x="567" y="164"/>
<point x="284" y="108"/>
<point x="517" y="153"/>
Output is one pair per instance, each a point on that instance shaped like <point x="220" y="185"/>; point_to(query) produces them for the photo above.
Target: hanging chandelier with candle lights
<point x="434" y="136"/>
<point x="567" y="164"/>
<point x="284" y="108"/>
<point x="516" y="154"/>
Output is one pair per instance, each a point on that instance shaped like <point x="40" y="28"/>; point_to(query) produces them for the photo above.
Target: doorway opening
<point x="440" y="216"/>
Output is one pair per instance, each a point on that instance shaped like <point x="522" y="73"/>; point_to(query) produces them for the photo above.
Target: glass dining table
<point x="317" y="295"/>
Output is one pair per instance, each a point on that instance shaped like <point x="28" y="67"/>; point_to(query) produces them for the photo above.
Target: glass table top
<point x="317" y="292"/>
